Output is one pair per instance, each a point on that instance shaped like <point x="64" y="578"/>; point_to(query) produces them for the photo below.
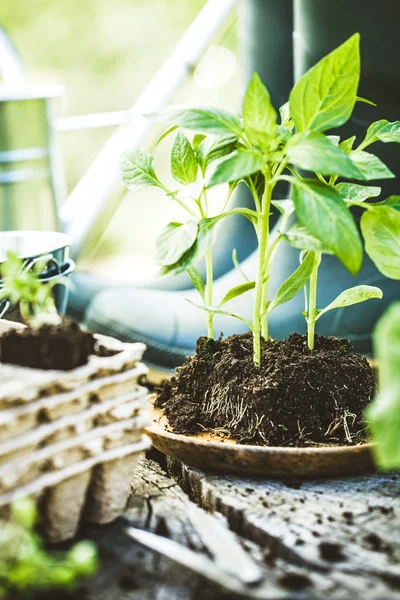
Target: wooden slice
<point x="210" y="452"/>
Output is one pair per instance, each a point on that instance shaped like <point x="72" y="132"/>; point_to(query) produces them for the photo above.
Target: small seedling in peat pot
<point x="47" y="341"/>
<point x="306" y="390"/>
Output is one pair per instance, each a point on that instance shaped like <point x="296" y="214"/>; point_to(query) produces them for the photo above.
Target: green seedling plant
<point x="261" y="149"/>
<point x="383" y="414"/>
<point x="26" y="566"/>
<point x="35" y="297"/>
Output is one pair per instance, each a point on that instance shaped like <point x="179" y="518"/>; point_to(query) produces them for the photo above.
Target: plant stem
<point x="261" y="290"/>
<point x="312" y="304"/>
<point x="209" y="293"/>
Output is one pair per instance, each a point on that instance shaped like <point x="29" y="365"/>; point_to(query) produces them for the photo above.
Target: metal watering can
<point x="33" y="246"/>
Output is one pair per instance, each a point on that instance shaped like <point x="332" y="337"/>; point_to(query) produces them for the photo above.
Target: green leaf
<point x="166" y="133"/>
<point x="197" y="139"/>
<point x="203" y="243"/>
<point x="284" y="113"/>
<point x="137" y="169"/>
<point x="347" y="145"/>
<point x="390" y="133"/>
<point x="295" y="282"/>
<point x="285" y="207"/>
<point x="213" y="148"/>
<point x="299" y="237"/>
<point x="236" y="166"/>
<point x="183" y="161"/>
<point x="383" y="413"/>
<point x="354" y="295"/>
<point x="315" y="152"/>
<point x="200" y="118"/>
<point x="373" y="129"/>
<point x="393" y="201"/>
<point x="380" y="227"/>
<point x="259" y="115"/>
<point x="370" y="166"/>
<point x="219" y="311"/>
<point x="197" y="281"/>
<point x="323" y="212"/>
<point x="365" y="101"/>
<point x="357" y="193"/>
<point x="325" y="96"/>
<point x="236" y="291"/>
<point x="334" y="139"/>
<point x="237" y="265"/>
<point x="174" y="241"/>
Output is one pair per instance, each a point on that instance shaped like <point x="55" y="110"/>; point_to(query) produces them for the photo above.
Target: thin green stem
<point x="209" y="293"/>
<point x="312" y="304"/>
<point x="261" y="290"/>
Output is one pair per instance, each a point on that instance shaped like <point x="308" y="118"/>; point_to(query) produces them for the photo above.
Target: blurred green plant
<point x="23" y="286"/>
<point x="383" y="413"/>
<point x="25" y="565"/>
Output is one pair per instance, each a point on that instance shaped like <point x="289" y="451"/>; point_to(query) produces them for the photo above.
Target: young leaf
<point x="237" y="265"/>
<point x="218" y="311"/>
<point x="166" y="133"/>
<point x="295" y="282"/>
<point x="197" y="281"/>
<point x="373" y="129"/>
<point x="357" y="193"/>
<point x="197" y="139"/>
<point x="322" y="211"/>
<point x="285" y="207"/>
<point x="315" y="152"/>
<point x="366" y="101"/>
<point x="236" y="291"/>
<point x="284" y="113"/>
<point x="390" y="133"/>
<point x="393" y="201"/>
<point x="200" y="118"/>
<point x="137" y="170"/>
<point x="383" y="413"/>
<point x="325" y="96"/>
<point x="183" y="161"/>
<point x="258" y="113"/>
<point x="334" y="139"/>
<point x="299" y="237"/>
<point x="354" y="295"/>
<point x="347" y="145"/>
<point x="370" y="166"/>
<point x="380" y="227"/>
<point x="213" y="148"/>
<point x="174" y="241"/>
<point x="236" y="166"/>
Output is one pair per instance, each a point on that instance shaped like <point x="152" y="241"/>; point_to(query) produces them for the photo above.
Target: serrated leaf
<point x="259" y="115"/>
<point x="325" y="96"/>
<point x="138" y="170"/>
<point x="174" y="242"/>
<point x="299" y="237"/>
<point x="315" y="152"/>
<point x="357" y="193"/>
<point x="347" y="145"/>
<point x="383" y="413"/>
<point x="380" y="227"/>
<point x="183" y="161"/>
<point x="205" y="119"/>
<point x="370" y="166"/>
<point x="197" y="281"/>
<point x="236" y="166"/>
<point x="166" y="133"/>
<point x="295" y="282"/>
<point x="236" y="291"/>
<point x="323" y="212"/>
<point x="354" y="295"/>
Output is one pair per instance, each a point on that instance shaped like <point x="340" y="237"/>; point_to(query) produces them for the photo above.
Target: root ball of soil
<point x="297" y="397"/>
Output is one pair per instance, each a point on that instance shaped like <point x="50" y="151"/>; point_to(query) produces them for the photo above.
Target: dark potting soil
<point x="63" y="346"/>
<point x="297" y="397"/>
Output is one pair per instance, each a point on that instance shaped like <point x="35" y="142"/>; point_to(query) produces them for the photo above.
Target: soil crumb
<point x="297" y="397"/>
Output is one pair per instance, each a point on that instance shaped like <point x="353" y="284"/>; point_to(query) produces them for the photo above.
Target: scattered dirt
<point x="331" y="552"/>
<point x="297" y="397"/>
<point x="294" y="581"/>
<point x="64" y="347"/>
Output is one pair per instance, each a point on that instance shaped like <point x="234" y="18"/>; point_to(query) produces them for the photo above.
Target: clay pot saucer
<point x="210" y="452"/>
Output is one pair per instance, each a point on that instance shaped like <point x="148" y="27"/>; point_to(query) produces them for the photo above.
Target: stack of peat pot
<point x="71" y="439"/>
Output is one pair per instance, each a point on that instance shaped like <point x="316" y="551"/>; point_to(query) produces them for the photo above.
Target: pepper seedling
<point x="258" y="149"/>
<point x="35" y="297"/>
